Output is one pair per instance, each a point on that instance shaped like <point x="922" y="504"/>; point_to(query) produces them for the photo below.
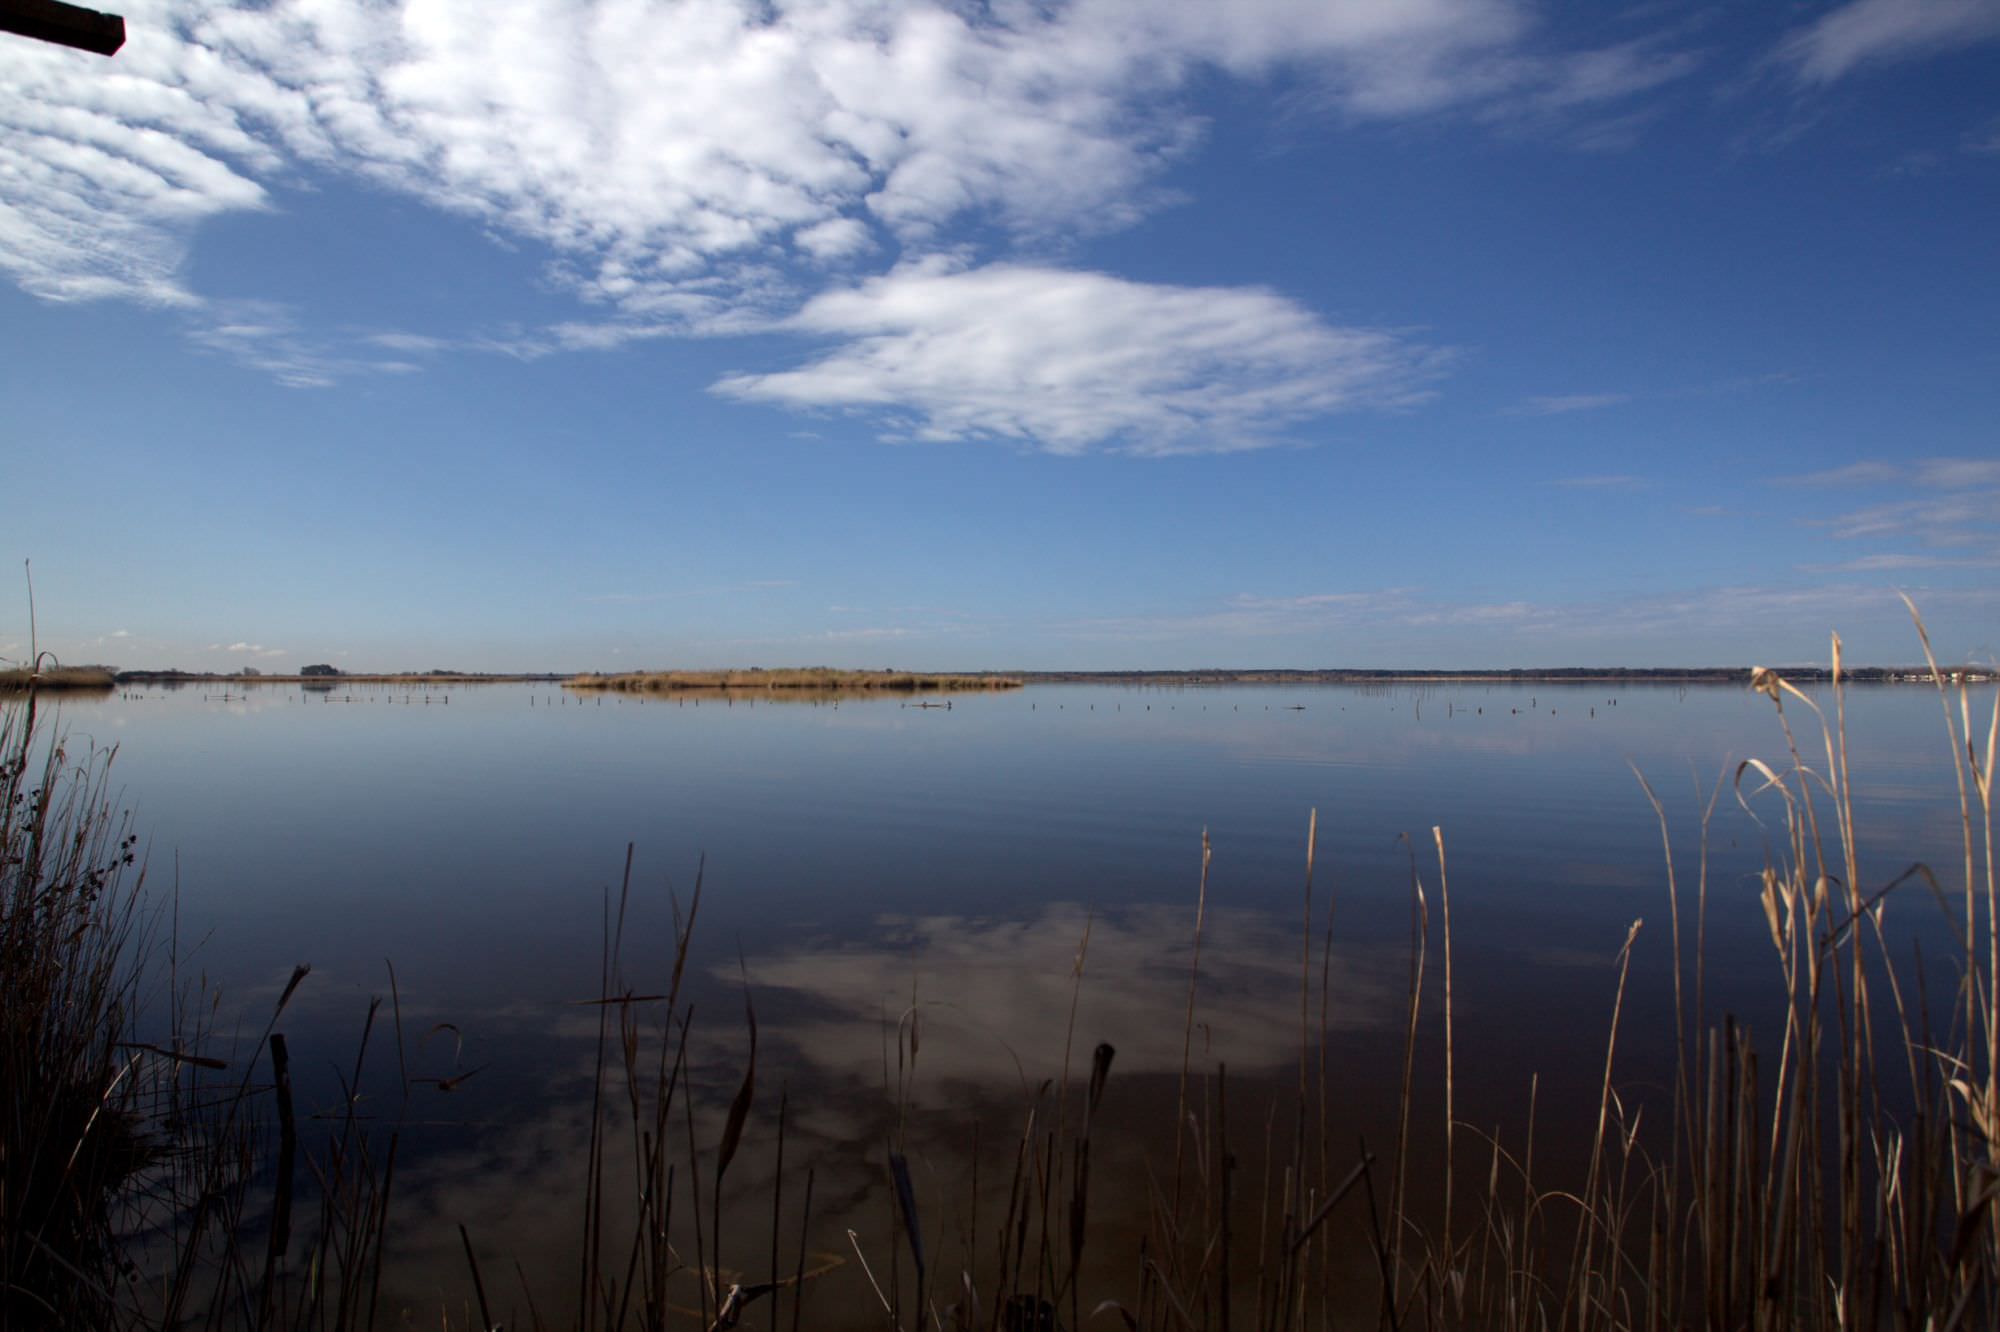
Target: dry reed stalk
<point x="1398" y="1189"/>
<point x="1325" y="1145"/>
<point x="1450" y="1124"/>
<point x="1187" y="1037"/>
<point x="778" y="1199"/>
<point x="1588" y="1226"/>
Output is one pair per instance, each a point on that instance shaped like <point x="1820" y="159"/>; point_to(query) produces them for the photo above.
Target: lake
<point x="870" y="868"/>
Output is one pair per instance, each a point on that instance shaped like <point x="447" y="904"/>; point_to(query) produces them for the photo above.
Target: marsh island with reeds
<point x="820" y="680"/>
<point x="56" y="678"/>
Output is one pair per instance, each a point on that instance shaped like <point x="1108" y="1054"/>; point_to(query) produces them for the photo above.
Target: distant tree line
<point x="1524" y="675"/>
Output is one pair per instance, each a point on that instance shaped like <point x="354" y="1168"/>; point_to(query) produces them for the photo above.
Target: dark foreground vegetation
<point x="1840" y="1172"/>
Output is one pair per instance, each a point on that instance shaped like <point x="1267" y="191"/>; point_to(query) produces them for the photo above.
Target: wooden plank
<point x="63" y="24"/>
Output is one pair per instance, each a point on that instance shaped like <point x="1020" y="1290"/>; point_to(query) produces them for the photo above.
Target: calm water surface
<point x="863" y="859"/>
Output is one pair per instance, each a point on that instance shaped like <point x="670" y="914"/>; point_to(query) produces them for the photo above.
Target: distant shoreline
<point x="414" y="677"/>
<point x="1547" y="675"/>
<point x="1632" y="675"/>
<point x="793" y="680"/>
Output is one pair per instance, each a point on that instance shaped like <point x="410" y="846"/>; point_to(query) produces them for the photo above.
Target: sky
<point x="1089" y="334"/>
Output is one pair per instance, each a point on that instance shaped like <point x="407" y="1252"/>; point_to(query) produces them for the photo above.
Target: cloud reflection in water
<point x="1003" y="990"/>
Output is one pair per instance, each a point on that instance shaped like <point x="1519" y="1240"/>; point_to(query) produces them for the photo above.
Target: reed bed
<point x="20" y="678"/>
<point x="1838" y="1168"/>
<point x="1837" y="1171"/>
<point x="816" y="679"/>
<point x="71" y="1134"/>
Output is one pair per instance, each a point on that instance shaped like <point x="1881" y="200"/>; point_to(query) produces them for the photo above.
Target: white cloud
<point x="690" y="164"/>
<point x="835" y="238"/>
<point x="1879" y="31"/>
<point x="1071" y="361"/>
<point x="107" y="168"/>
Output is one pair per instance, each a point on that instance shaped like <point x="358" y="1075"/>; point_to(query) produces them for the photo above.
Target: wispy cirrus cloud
<point x="675" y="594"/>
<point x="1872" y="32"/>
<point x="267" y="336"/>
<point x="1864" y="473"/>
<point x="1960" y="519"/>
<point x="1391" y="626"/>
<point x="1930" y="473"/>
<point x="1958" y="473"/>
<point x="1900" y="563"/>
<point x="916" y="625"/>
<point x="1939" y="503"/>
<point x="1071" y="361"/>
<point x="1248" y="616"/>
<point x="1611" y="481"/>
<point x="1564" y="404"/>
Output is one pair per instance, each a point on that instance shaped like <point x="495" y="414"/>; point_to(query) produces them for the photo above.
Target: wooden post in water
<point x="63" y="24"/>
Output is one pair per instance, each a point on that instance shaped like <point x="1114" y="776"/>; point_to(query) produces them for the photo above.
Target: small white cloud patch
<point x="1073" y="361"/>
<point x="835" y="238"/>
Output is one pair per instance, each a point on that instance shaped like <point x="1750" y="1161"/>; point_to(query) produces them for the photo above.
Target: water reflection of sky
<point x="861" y="851"/>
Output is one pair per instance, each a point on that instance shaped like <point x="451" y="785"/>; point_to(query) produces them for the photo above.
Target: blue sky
<point x="553" y="334"/>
